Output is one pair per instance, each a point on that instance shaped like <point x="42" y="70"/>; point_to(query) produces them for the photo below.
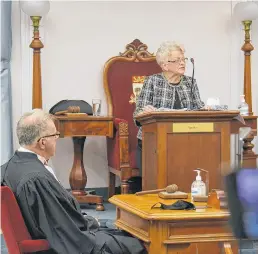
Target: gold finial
<point x="247" y="25"/>
<point x="35" y="21"/>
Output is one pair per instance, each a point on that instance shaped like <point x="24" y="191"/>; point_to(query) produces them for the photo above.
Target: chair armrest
<point x="121" y="126"/>
<point x="31" y="246"/>
<point x="118" y="146"/>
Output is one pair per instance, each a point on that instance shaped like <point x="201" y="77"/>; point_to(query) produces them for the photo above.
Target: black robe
<point x="50" y="212"/>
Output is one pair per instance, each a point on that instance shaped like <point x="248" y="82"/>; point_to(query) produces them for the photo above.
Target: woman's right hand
<point x="148" y="108"/>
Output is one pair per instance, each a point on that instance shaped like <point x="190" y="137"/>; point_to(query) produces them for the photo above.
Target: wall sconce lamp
<point x="36" y="10"/>
<point x="245" y="12"/>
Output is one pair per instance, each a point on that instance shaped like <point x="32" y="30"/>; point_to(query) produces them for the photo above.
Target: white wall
<point x="79" y="37"/>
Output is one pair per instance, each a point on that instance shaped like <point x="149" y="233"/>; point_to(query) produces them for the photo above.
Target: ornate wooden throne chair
<point x="119" y="73"/>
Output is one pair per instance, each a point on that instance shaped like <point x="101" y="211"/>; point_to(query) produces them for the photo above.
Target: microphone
<point x="192" y="61"/>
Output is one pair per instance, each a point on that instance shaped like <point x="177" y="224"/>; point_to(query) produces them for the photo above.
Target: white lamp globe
<point x="35" y="7"/>
<point x="246" y="11"/>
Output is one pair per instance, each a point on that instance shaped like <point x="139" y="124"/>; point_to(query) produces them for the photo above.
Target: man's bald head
<point x="32" y="126"/>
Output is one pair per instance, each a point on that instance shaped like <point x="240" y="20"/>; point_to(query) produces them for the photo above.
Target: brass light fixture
<point x="245" y="12"/>
<point x="36" y="9"/>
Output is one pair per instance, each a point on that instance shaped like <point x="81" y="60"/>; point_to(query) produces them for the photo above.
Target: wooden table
<point x="78" y="127"/>
<point x="203" y="231"/>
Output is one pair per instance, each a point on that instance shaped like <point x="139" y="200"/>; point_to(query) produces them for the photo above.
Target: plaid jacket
<point x="156" y="91"/>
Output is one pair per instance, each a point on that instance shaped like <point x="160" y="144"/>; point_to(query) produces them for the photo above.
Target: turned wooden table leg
<point x="78" y="177"/>
<point x="249" y="157"/>
<point x="124" y="187"/>
<point x="126" y="173"/>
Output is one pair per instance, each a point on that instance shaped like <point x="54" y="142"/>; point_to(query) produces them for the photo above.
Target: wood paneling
<point x="149" y="160"/>
<point x="196" y="229"/>
<point x="79" y="128"/>
<point x="190" y="151"/>
<point x="135" y="221"/>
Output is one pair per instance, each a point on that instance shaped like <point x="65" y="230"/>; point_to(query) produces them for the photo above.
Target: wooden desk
<point x="78" y="127"/>
<point x="203" y="231"/>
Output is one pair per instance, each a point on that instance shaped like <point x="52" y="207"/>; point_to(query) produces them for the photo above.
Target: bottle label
<point x="243" y="111"/>
<point x="195" y="191"/>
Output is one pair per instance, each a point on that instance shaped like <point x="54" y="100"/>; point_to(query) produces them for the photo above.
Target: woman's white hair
<point x="165" y="49"/>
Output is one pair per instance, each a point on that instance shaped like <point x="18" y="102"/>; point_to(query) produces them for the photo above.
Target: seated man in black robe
<point x="50" y="211"/>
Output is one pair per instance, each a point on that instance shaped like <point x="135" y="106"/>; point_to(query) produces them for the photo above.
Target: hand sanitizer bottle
<point x="198" y="187"/>
<point x="243" y="106"/>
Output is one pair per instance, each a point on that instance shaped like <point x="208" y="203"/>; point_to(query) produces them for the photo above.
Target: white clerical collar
<point x="42" y="159"/>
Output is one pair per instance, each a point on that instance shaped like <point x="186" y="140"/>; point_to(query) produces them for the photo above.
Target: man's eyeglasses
<point x="56" y="135"/>
<point x="179" y="60"/>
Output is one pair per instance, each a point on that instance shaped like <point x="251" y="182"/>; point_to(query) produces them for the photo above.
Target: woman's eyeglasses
<point x="179" y="60"/>
<point x="56" y="135"/>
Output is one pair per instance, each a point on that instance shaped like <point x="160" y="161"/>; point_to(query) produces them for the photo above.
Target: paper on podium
<point x="171" y="109"/>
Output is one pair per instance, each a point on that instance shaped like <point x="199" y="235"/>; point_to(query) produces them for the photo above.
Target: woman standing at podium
<point x="169" y="89"/>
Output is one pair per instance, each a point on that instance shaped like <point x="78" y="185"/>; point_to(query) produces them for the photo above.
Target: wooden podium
<point x="177" y="142"/>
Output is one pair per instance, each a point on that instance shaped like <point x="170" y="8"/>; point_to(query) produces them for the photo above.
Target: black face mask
<point x="179" y="205"/>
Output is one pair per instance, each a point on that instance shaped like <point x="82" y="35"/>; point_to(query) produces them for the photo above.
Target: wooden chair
<point x="118" y="74"/>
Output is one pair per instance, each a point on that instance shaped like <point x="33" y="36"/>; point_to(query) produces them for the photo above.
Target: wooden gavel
<point x="169" y="189"/>
<point x="70" y="109"/>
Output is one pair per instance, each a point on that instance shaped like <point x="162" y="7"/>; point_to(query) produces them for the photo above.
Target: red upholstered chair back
<point x="12" y="223"/>
<point x="16" y="235"/>
<point x="118" y="74"/>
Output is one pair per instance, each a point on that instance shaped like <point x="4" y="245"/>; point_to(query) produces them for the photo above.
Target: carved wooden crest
<point x="137" y="50"/>
<point x="137" y="87"/>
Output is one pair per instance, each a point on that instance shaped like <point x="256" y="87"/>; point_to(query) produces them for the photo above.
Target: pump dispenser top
<point x="198" y="177"/>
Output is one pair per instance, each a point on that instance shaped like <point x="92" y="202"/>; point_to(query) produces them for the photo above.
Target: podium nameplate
<point x="192" y="127"/>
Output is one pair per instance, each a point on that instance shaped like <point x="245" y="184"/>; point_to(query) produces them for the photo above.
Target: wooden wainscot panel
<point x="149" y="160"/>
<point x="193" y="146"/>
<point x="201" y="248"/>
<point x="191" y="231"/>
<point x="133" y="224"/>
<point x="81" y="128"/>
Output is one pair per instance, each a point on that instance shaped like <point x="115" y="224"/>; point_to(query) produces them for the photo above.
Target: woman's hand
<point x="147" y="109"/>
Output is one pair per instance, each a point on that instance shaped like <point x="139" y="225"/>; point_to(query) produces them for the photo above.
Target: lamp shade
<point x="35" y="7"/>
<point x="246" y="11"/>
